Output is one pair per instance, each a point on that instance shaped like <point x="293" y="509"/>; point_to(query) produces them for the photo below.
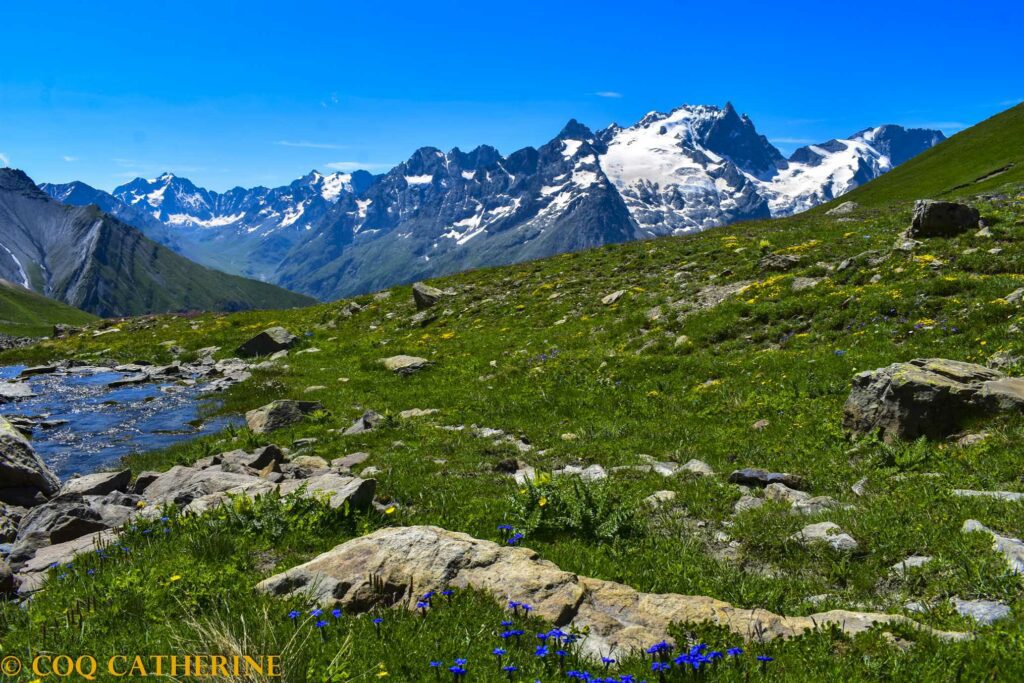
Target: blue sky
<point x="259" y="93"/>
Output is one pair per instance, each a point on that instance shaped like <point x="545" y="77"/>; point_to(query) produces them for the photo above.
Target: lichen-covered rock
<point x="779" y="262"/>
<point x="828" y="533"/>
<point x="405" y="365"/>
<point x="426" y="296"/>
<point x="927" y="397"/>
<point x="396" y="566"/>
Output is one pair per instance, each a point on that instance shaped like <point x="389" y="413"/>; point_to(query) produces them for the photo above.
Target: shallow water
<point x="105" y="424"/>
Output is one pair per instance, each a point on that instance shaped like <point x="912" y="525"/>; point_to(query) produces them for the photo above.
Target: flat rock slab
<point x="827" y="533"/>
<point x="98" y="484"/>
<point x="405" y="365"/>
<point x="395" y="566"/>
<point x="752" y="476"/>
<point x="985" y="612"/>
<point x="1012" y="549"/>
<point x="14" y="391"/>
<point x="1008" y="496"/>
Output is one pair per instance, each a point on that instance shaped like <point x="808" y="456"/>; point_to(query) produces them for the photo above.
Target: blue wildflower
<point x="514" y="539"/>
<point x="336" y="613"/>
<point x="541" y="651"/>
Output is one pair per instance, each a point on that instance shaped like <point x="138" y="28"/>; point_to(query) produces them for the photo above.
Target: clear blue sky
<point x="256" y="92"/>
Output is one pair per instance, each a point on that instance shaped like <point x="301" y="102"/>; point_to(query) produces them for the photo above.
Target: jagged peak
<point x="575" y="130"/>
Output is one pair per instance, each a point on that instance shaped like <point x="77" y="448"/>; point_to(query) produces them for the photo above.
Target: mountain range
<point x="341" y="234"/>
<point x="84" y="257"/>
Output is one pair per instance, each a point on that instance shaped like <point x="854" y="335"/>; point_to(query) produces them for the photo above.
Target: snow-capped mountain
<point x="333" y="235"/>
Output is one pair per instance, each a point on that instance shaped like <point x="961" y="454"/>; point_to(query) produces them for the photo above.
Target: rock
<point x="9" y="519"/>
<point x="350" y="460"/>
<point x="942" y="219"/>
<point x="257" y="460"/>
<point x="279" y="414"/>
<point x="15" y="391"/>
<point x="753" y="476"/>
<point x="340" y="490"/>
<point x="828" y="533"/>
<point x="364" y="423"/>
<point x="971" y="439"/>
<point x="779" y="262"/>
<point x="395" y="566"/>
<point x="1015" y="296"/>
<point x="781" y="493"/>
<point x="370" y="471"/>
<point x="129" y="380"/>
<point x="61" y="331"/>
<point x="305" y="442"/>
<point x="1001" y="360"/>
<point x="425" y="296"/>
<point x="267" y="342"/>
<point x="985" y="612"/>
<point x="98" y="484"/>
<point x="927" y="397"/>
<point x="405" y="365"/>
<point x="181" y="485"/>
<point x="7" y="583"/>
<point x="314" y="388"/>
<point x="912" y="562"/>
<point x="591" y="473"/>
<point x="844" y="209"/>
<point x="1009" y="496"/>
<point x="747" y="503"/>
<point x="143" y="481"/>
<point x="23" y="474"/>
<point x="613" y="297"/>
<point x="760" y="425"/>
<point x="39" y="370"/>
<point x="64" y="519"/>
<point x="31" y="574"/>
<point x="659" y="499"/>
<point x="417" y="412"/>
<point x="309" y="462"/>
<point x="1010" y="548"/>
<point x="698" y="467"/>
<point x="799" y="284"/>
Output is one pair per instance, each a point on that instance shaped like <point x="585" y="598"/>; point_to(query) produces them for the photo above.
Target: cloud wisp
<point x="4" y="160"/>
<point x="609" y="93"/>
<point x="308" y="145"/>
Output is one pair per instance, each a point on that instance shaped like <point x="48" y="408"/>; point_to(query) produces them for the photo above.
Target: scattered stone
<point x="426" y="296"/>
<point x="7" y="584"/>
<point x="698" y="467"/>
<point x="912" y="562"/>
<point x="659" y="499"/>
<point x="350" y="460"/>
<point x="747" y="502"/>
<point x="591" y="473"/>
<point x="927" y="397"/>
<point x="417" y="412"/>
<point x="1010" y="548"/>
<point x="760" y="425"/>
<point x="801" y="283"/>
<point x="942" y="219"/>
<point x="309" y="462"/>
<point x="98" y="484"/>
<point x="62" y="331"/>
<point x="371" y="471"/>
<point x="364" y="423"/>
<point x="304" y="442"/>
<point x="779" y="262"/>
<point x="24" y="477"/>
<point x="267" y="342"/>
<point x="985" y="612"/>
<point x="1015" y="296"/>
<point x="279" y="414"/>
<point x="1008" y="496"/>
<point x="971" y="439"/>
<point x="844" y="209"/>
<point x="828" y="533"/>
<point x="39" y="370"/>
<point x="613" y="297"/>
<point x="405" y="365"/>
<point x="143" y="481"/>
<point x="129" y="380"/>
<point x="753" y="476"/>
<point x="395" y="566"/>
<point x="860" y="487"/>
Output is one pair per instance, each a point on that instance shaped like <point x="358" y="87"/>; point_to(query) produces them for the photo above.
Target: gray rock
<point x="591" y="473"/>
<point x="985" y="612"/>
<point x="1008" y="496"/>
<point x="405" y="365"/>
<point x="747" y="502"/>
<point x="659" y="499"/>
<point x="350" y="460"/>
<point x="912" y="562"/>
<point x="613" y="297"/>
<point x="827" y="533"/>
<point x="1015" y="296"/>
<point x="10" y="517"/>
<point x="256" y="460"/>
<point x="801" y="283"/>
<point x="39" y="370"/>
<point x="23" y="474"/>
<point x="364" y="423"/>
<point x="1012" y="549"/>
<point x="7" y="583"/>
<point x="143" y="481"/>
<point x="417" y="412"/>
<point x="844" y="209"/>
<point x="942" y="219"/>
<point x="279" y="414"/>
<point x="698" y="467"/>
<point x="426" y="296"/>
<point x="927" y="397"/>
<point x="753" y="476"/>
<point x="15" y="391"/>
<point x="267" y="342"/>
<point x="98" y="484"/>
<point x="63" y="519"/>
<point x="779" y="262"/>
<point x="129" y="380"/>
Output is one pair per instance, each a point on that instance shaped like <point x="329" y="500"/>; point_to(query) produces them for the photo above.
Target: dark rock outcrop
<point x="268" y="341"/>
<point x="942" y="219"/>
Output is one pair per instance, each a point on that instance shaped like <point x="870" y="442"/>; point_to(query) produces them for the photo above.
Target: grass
<point x="24" y="313"/>
<point x="530" y="349"/>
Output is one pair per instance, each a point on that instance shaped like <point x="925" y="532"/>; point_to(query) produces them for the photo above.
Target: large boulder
<point x="98" y="484"/>
<point x="426" y="296"/>
<point x="279" y="414"/>
<point x="24" y="477"/>
<point x="396" y="566"/>
<point x="779" y="262"/>
<point x="405" y="365"/>
<point x="942" y="219"/>
<point x="268" y="341"/>
<point x="927" y="397"/>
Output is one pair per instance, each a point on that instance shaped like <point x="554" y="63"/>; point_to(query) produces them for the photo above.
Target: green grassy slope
<point x="668" y="371"/>
<point x="979" y="159"/>
<point x="24" y="313"/>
